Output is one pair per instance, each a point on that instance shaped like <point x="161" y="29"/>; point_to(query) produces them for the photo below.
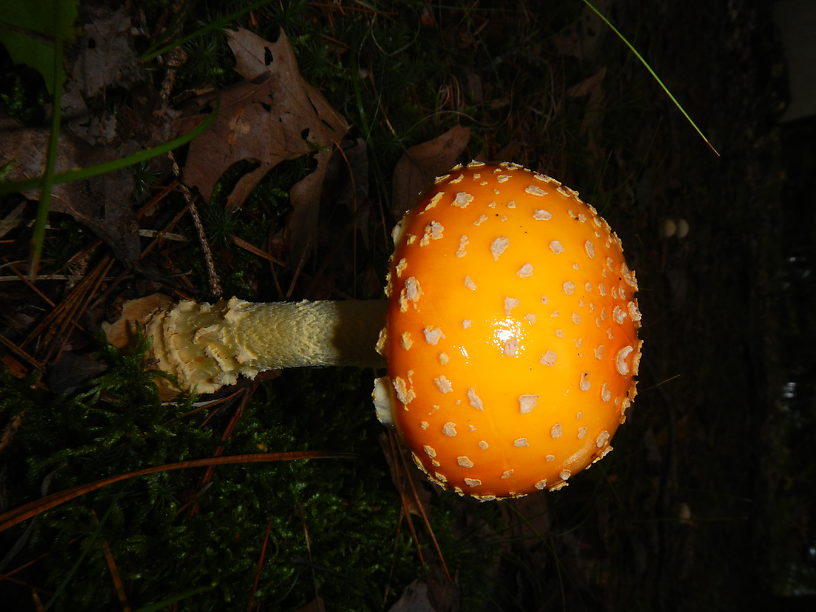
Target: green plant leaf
<point x="29" y="31"/>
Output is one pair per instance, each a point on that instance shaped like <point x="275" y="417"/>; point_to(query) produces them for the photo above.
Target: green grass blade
<point x="116" y="164"/>
<point x="38" y="235"/>
<point x="653" y="73"/>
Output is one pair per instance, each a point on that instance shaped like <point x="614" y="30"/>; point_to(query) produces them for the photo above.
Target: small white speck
<point x="441" y="477"/>
<point x="449" y="429"/>
<point x="483" y="444"/>
<point x="472" y="482"/>
<point x="443" y="358"/>
<point x="470" y="284"/>
<point x="634" y="313"/>
<point x="404" y="394"/>
<point x="406" y="340"/>
<point x="535" y="190"/>
<point x="474" y="400"/>
<point x="462" y="199"/>
<point x="520" y="442"/>
<point x="548" y="358"/>
<point x="443" y="384"/>
<point x="549" y="458"/>
<point x="509" y="304"/>
<point x="498" y="246"/>
<point x="462" y="250"/>
<point x="576" y="318"/>
<point x="466" y="323"/>
<point x="602" y="439"/>
<point x="530" y="317"/>
<point x="527" y="403"/>
<point x="413" y="291"/>
<point x="584" y="384"/>
<point x="606" y="394"/>
<point x="589" y="248"/>
<point x="464" y="461"/>
<point x="542" y="215"/>
<point x="506" y="474"/>
<point x="569" y="288"/>
<point x="565" y="474"/>
<point x="555" y="431"/>
<point x="541" y="484"/>
<point x="480" y="220"/>
<point x="511" y="204"/>
<point x="434" y="200"/>
<point x="556" y="247"/>
<point x="620" y="360"/>
<point x="581" y="432"/>
<point x="433" y="335"/>
<point x="511" y="347"/>
<point x="526" y="271"/>
<point x="502" y="178"/>
<point x="433" y="231"/>
<point x="430" y="451"/>
<point x="618" y="315"/>
<point x="423" y="425"/>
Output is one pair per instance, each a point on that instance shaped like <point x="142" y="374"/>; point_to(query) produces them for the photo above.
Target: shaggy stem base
<point x="207" y="346"/>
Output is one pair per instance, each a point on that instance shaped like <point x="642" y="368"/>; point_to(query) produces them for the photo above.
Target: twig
<point x="215" y="283"/>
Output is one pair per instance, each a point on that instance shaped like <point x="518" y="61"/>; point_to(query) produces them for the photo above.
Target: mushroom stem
<point x="207" y="346"/>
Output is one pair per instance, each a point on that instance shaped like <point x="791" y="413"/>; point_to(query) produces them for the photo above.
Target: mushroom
<point x="509" y="333"/>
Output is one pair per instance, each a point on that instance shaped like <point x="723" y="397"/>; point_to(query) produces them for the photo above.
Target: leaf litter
<point x="272" y="116"/>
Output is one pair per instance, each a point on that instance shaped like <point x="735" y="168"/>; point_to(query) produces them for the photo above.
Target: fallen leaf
<point x="106" y="56"/>
<point x="420" y="164"/>
<point x="272" y="116"/>
<point x="102" y="204"/>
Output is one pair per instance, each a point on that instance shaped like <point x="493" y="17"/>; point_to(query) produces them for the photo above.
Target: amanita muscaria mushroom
<point x="509" y="333"/>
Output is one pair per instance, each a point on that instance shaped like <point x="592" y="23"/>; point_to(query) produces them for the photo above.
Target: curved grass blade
<point x="653" y="73"/>
<point x="116" y="164"/>
<point x="46" y="183"/>
<point x="32" y="509"/>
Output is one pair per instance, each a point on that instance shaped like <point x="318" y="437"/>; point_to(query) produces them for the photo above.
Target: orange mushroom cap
<point x="511" y="337"/>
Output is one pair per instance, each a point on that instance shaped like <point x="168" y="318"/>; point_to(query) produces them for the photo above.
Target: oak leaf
<point x="272" y="116"/>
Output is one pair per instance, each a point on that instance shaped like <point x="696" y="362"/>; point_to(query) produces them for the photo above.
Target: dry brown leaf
<point x="419" y="165"/>
<point x="101" y="203"/>
<point x="273" y="116"/>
